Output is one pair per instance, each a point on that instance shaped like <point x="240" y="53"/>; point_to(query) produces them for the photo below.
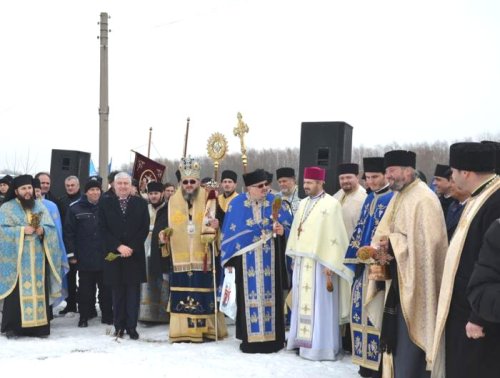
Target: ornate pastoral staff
<point x="186" y="138"/>
<point x="216" y="148"/>
<point x="239" y="131"/>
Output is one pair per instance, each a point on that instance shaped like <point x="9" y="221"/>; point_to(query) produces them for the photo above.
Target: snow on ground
<point x="93" y="352"/>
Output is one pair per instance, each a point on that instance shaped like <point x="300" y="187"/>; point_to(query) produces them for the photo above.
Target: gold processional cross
<point x="239" y="131"/>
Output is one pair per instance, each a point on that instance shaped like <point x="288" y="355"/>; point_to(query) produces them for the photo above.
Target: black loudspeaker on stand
<point x="66" y="163"/>
<point x="325" y="145"/>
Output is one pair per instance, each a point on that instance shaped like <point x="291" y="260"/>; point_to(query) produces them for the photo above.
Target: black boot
<point x="133" y="333"/>
<point x="83" y="323"/>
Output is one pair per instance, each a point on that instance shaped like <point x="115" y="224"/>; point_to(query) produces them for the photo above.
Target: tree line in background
<point x="428" y="155"/>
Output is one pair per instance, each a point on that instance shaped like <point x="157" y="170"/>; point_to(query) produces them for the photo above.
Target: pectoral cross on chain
<point x="299" y="230"/>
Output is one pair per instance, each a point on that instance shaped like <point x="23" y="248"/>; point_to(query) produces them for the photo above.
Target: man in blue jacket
<point x="83" y="239"/>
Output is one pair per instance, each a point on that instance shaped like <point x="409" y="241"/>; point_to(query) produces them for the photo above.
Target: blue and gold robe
<point x="192" y="301"/>
<point x="28" y="262"/>
<point x="365" y="336"/>
<point x="248" y="246"/>
<point x="56" y="217"/>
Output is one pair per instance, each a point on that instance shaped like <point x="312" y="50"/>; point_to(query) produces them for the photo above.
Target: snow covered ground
<point x="93" y="352"/>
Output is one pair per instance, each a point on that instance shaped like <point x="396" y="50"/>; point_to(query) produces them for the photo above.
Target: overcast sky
<point x="395" y="70"/>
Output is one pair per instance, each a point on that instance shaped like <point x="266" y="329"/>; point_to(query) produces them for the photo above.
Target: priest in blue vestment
<point x="365" y="334"/>
<point x="30" y="262"/>
<point x="249" y="247"/>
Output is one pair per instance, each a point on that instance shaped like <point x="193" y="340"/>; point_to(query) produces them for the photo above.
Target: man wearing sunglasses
<point x="253" y="242"/>
<point x="192" y="304"/>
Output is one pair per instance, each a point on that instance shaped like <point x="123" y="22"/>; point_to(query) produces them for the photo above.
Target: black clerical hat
<point x="348" y="168"/>
<point x="22" y="180"/>
<point x="111" y="176"/>
<point x="497" y="154"/>
<point x="269" y="177"/>
<point x="7" y="179"/>
<point x="36" y="183"/>
<point x="155" y="186"/>
<point x="228" y="174"/>
<point x="206" y="180"/>
<point x="254" y="177"/>
<point x="473" y="156"/>
<point x="400" y="158"/>
<point x="442" y="171"/>
<point x="285" y="172"/>
<point x="373" y="164"/>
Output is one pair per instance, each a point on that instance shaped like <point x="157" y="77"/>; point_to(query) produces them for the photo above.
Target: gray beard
<point x="189" y="197"/>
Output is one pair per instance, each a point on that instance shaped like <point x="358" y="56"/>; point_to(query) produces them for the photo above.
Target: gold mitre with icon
<point x="189" y="167"/>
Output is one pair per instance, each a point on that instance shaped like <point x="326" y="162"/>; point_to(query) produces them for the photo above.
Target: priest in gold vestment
<point x="414" y="232"/>
<point x="351" y="195"/>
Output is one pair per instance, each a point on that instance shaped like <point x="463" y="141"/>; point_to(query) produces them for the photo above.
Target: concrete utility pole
<point x="103" y="103"/>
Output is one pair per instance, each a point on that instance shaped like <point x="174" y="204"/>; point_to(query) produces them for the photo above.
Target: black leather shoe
<point x="67" y="309"/>
<point x="107" y="321"/>
<point x="133" y="333"/>
<point x="11" y="335"/>
<point x="83" y="323"/>
<point x="118" y="333"/>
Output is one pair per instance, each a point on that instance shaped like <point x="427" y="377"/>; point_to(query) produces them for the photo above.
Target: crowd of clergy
<point x="401" y="274"/>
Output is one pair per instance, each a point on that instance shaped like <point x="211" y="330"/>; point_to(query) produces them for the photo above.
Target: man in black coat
<point x="471" y="342"/>
<point x="72" y="194"/>
<point x="124" y="223"/>
<point x="483" y="291"/>
<point x="84" y="242"/>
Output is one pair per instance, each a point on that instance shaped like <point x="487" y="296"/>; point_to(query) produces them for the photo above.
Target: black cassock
<point x="483" y="291"/>
<point x="472" y="357"/>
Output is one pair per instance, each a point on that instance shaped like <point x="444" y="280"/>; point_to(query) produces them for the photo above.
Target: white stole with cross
<point x="321" y="239"/>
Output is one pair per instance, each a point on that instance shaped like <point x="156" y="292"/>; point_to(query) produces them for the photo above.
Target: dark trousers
<point x="470" y="357"/>
<point x="72" y="288"/>
<point x="87" y="283"/>
<point x="409" y="359"/>
<point x="126" y="301"/>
